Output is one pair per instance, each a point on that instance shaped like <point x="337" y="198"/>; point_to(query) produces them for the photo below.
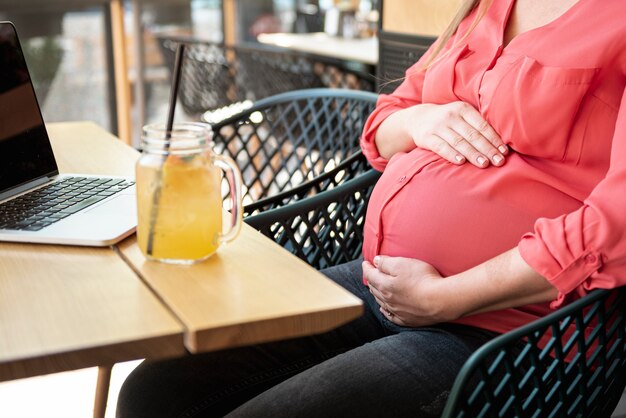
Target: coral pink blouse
<point x="556" y="95"/>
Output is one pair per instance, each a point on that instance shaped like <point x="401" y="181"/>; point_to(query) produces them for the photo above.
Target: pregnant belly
<point x="455" y="217"/>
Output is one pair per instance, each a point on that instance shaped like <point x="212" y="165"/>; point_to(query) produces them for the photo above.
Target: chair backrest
<point x="283" y="143"/>
<point x="308" y="19"/>
<point x="208" y="74"/>
<point x="397" y="53"/>
<point x="323" y="230"/>
<point x="353" y="166"/>
<point x="264" y="71"/>
<point x="579" y="369"/>
<point x="216" y="75"/>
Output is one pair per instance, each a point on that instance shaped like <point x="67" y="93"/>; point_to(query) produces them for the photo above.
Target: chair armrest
<point x="569" y="363"/>
<point x="323" y="230"/>
<point x="353" y="166"/>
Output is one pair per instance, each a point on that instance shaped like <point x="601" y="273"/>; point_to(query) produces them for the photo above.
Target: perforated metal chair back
<point x="326" y="229"/>
<point x="397" y="53"/>
<point x="265" y="71"/>
<point x="571" y="363"/>
<point x="296" y="144"/>
<point x="208" y="75"/>
<point x="215" y="75"/>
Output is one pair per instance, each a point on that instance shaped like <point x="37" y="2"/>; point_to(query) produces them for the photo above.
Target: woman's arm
<point x="586" y="249"/>
<point x="505" y="281"/>
<point x="456" y="131"/>
<point x="412" y="293"/>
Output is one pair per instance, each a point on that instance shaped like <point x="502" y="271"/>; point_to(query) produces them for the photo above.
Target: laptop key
<point x="32" y="228"/>
<point x="73" y="201"/>
<point x="114" y="182"/>
<point x="101" y="181"/>
<point x="85" y="203"/>
<point x="24" y="223"/>
<point x="57" y="216"/>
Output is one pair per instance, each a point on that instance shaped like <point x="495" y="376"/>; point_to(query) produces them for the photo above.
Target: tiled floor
<point x="61" y="395"/>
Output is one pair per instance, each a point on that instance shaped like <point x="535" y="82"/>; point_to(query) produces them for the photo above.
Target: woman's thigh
<point x="408" y="374"/>
<point x="213" y="384"/>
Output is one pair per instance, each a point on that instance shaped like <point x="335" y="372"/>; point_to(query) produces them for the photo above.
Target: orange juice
<point x="179" y="200"/>
<point x="186" y="213"/>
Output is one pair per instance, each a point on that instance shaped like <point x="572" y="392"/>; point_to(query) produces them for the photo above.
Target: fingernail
<point x="460" y="158"/>
<point x="376" y="260"/>
<point x="503" y="149"/>
<point x="481" y="160"/>
<point x="497" y="159"/>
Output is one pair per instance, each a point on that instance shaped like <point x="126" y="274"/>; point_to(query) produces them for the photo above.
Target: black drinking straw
<point x="154" y="210"/>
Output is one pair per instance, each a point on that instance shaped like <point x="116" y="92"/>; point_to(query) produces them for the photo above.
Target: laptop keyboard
<point x="47" y="205"/>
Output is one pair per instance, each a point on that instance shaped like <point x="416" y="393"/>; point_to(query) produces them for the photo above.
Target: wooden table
<point x="63" y="308"/>
<point x="363" y="51"/>
<point x="251" y="291"/>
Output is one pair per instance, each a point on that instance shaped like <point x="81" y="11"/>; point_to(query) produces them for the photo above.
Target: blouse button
<point x="590" y="258"/>
<point x="401" y="179"/>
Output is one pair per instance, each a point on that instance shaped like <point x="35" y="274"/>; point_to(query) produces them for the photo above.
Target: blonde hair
<point x="464" y="10"/>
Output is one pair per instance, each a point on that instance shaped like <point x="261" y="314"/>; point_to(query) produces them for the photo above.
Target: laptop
<point x="37" y="204"/>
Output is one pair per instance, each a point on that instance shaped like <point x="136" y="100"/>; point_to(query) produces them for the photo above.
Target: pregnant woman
<point x="502" y="198"/>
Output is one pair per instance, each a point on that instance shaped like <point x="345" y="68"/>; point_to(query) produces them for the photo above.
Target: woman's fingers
<point x="473" y="145"/>
<point x="465" y="148"/>
<point x="458" y="149"/>
<point x="459" y="133"/>
<point x="442" y="147"/>
<point x="378" y="296"/>
<point x="385" y="308"/>
<point x="474" y="129"/>
<point x="375" y="278"/>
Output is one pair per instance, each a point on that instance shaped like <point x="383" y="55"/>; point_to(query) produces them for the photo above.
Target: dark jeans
<point x="369" y="367"/>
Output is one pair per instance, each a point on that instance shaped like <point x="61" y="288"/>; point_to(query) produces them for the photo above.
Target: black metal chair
<point x="324" y="230"/>
<point x="578" y="370"/>
<point x="295" y="144"/>
<point x="398" y="52"/>
<point x="208" y="74"/>
<point x="286" y="70"/>
<point x="217" y="75"/>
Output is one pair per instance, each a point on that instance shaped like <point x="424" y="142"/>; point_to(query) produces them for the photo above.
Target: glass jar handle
<point x="233" y="175"/>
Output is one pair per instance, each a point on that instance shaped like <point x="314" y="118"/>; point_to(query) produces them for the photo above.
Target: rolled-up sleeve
<point x="407" y="94"/>
<point x="586" y="249"/>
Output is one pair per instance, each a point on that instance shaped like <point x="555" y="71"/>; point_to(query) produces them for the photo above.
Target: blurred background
<point x="69" y="47"/>
<point x="72" y="49"/>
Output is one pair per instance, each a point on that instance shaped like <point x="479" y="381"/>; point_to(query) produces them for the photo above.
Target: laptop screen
<point x="25" y="151"/>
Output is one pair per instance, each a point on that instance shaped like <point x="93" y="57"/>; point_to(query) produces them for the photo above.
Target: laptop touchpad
<point x="121" y="206"/>
<point x="112" y="216"/>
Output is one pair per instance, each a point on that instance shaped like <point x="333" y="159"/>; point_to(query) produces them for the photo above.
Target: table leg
<point x="102" y="391"/>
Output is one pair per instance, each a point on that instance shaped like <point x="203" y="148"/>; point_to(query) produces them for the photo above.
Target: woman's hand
<point x="455" y="131"/>
<point x="410" y="292"/>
